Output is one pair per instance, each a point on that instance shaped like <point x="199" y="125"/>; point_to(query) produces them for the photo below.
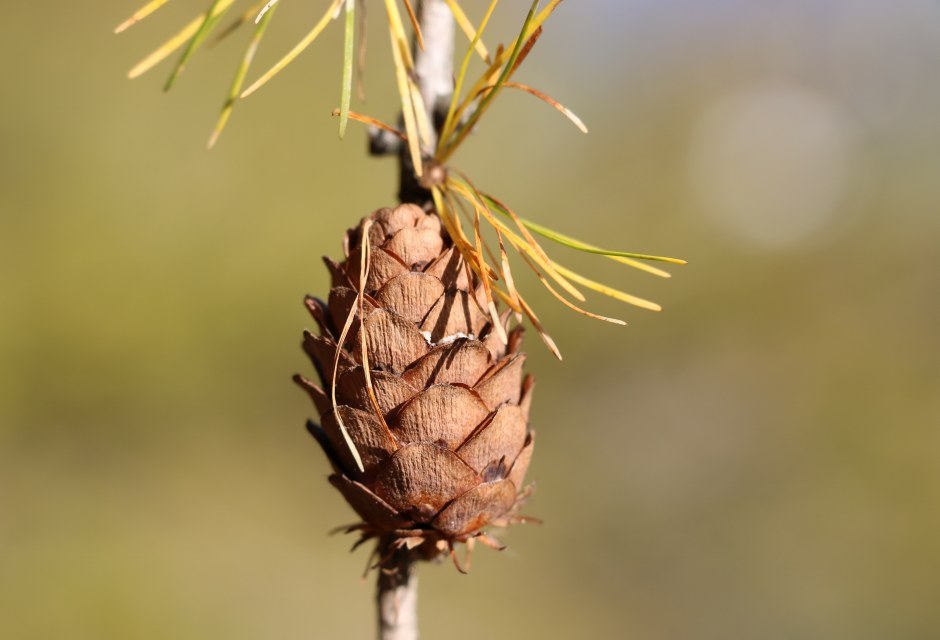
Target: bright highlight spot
<point x="769" y="163"/>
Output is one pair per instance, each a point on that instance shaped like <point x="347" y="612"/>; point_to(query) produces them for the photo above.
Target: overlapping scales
<point x="442" y="429"/>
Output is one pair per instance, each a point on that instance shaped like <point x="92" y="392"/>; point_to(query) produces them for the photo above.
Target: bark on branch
<point x="434" y="72"/>
<point x="397" y="597"/>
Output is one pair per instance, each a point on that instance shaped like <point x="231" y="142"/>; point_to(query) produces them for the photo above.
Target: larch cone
<point x="443" y="435"/>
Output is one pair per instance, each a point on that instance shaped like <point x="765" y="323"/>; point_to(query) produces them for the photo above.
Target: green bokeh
<point x="760" y="460"/>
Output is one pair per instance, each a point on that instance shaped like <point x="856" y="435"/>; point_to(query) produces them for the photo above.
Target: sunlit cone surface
<point x="443" y="437"/>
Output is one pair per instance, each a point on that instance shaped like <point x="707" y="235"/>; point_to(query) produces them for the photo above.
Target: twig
<point x="397" y="596"/>
<point x="434" y="65"/>
<point x="434" y="71"/>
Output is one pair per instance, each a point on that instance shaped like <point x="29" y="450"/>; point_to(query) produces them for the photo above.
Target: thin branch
<point x="434" y="73"/>
<point x="397" y="598"/>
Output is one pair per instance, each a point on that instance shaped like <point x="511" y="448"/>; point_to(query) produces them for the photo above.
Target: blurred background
<point x="759" y="460"/>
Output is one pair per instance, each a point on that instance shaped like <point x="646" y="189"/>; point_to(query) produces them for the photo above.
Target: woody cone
<point x="427" y="434"/>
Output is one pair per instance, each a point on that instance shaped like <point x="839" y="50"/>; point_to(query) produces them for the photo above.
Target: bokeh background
<point x="759" y="460"/>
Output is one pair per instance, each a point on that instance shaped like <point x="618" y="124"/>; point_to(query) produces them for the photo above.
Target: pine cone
<point x="445" y="446"/>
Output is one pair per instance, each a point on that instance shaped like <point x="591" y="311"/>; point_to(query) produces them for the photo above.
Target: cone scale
<point x="432" y="446"/>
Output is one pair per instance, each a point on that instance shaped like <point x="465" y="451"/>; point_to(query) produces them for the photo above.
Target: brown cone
<point x="446" y="452"/>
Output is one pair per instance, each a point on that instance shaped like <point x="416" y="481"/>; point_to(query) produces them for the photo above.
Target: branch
<point x="397" y="598"/>
<point x="434" y="69"/>
<point x="434" y="66"/>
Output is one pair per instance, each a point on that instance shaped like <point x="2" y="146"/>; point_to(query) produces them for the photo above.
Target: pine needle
<point x="450" y="120"/>
<point x="365" y="263"/>
<point x="506" y="211"/>
<point x="240" y="73"/>
<point x="503" y="66"/>
<point x="624" y="257"/>
<point x="526" y="49"/>
<point x="487" y="100"/>
<point x="547" y="339"/>
<point x="422" y="120"/>
<point x="216" y="11"/>
<point x="160" y="54"/>
<point x="247" y="16"/>
<point x="140" y="14"/>
<point x="575" y="120"/>
<point x="487" y="292"/>
<point x="297" y="50"/>
<point x="526" y="35"/>
<point x="473" y="35"/>
<point x="608" y="291"/>
<point x="361" y="51"/>
<point x="348" y="48"/>
<point x="568" y="241"/>
<point x="538" y="21"/>
<point x="567" y="302"/>
<point x="267" y="7"/>
<point x="339" y="346"/>
<point x="374" y="122"/>
<point x="398" y="29"/>
<point x="452" y="225"/>
<point x="401" y="57"/>
<point x="419" y="37"/>
<point x="506" y="272"/>
<point x="471" y="195"/>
